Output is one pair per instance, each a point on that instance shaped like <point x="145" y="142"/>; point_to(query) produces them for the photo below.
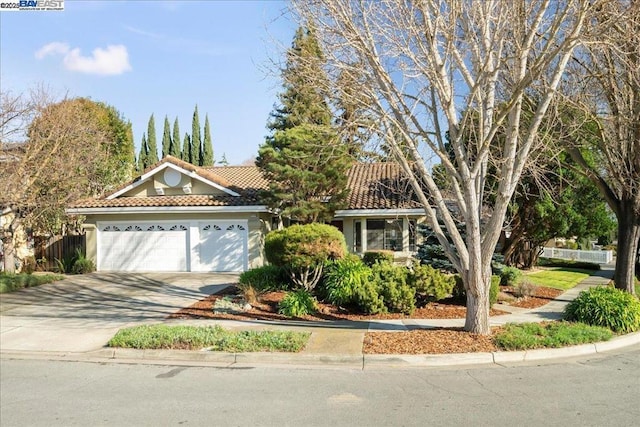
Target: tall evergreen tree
<point x="130" y="156"/>
<point x="174" y="148"/>
<point x="166" y="137"/>
<point x="207" y="145"/>
<point x="152" y="153"/>
<point x="304" y="159"/>
<point x="143" y="155"/>
<point x="187" y="149"/>
<point x="196" y="140"/>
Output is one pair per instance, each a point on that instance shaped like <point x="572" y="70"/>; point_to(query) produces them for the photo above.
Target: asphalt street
<point x="596" y="390"/>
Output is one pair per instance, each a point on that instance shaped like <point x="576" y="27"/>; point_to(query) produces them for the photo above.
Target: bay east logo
<point x="21" y="5"/>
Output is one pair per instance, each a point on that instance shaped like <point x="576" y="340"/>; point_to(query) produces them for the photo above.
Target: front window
<point x="384" y="234"/>
<point x="357" y="237"/>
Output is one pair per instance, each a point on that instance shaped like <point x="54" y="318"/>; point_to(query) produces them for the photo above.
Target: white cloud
<point x="112" y="60"/>
<point x="52" y="49"/>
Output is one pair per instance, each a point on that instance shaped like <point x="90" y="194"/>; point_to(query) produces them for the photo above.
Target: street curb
<point x="301" y="360"/>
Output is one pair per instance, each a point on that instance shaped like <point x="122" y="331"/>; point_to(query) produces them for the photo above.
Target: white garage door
<point x="222" y="246"/>
<point x="143" y="247"/>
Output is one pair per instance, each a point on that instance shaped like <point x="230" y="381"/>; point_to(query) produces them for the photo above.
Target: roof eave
<point x="166" y="209"/>
<point x="345" y="213"/>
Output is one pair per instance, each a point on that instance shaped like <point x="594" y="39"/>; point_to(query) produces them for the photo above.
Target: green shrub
<point x="460" y="293"/>
<point x="564" y="263"/>
<point x="304" y="245"/>
<point x="509" y="276"/>
<point x="494" y="290"/>
<point x="83" y="266"/>
<point x="368" y="299"/>
<point x="525" y="336"/>
<point x="303" y="249"/>
<point x="341" y="279"/>
<point x="431" y="283"/>
<point x="297" y="303"/>
<point x="607" y="307"/>
<point x="265" y="278"/>
<point x="372" y="257"/>
<point x="15" y="282"/>
<point x="391" y="282"/>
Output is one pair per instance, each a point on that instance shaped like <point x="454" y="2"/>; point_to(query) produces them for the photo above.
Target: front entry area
<point x="203" y="246"/>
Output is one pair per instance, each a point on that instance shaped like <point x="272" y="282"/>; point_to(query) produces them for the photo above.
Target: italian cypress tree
<point x="143" y="155"/>
<point x="152" y="152"/>
<point x="187" y="149"/>
<point x="196" y="140"/>
<point x="207" y="146"/>
<point x="174" y="148"/>
<point x="303" y="158"/>
<point x="166" y="137"/>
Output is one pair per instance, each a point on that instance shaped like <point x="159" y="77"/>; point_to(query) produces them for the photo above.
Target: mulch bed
<point x="420" y="341"/>
<point x="541" y="297"/>
<point x="428" y="341"/>
<point x="267" y="309"/>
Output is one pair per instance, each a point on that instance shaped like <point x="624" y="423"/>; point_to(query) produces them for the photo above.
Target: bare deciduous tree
<point x="433" y="70"/>
<point x="603" y="138"/>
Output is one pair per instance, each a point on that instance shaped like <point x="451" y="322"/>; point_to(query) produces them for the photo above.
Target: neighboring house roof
<point x="373" y="186"/>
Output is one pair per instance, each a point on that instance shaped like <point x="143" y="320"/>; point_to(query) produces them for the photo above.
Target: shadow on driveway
<point x="121" y="297"/>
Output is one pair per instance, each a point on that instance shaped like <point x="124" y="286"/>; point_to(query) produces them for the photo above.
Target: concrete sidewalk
<point x="336" y="343"/>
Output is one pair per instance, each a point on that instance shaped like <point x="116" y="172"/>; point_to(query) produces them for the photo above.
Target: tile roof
<point x="379" y="186"/>
<point x="373" y="186"/>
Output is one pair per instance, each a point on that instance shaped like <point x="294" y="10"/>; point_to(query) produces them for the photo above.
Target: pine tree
<point x="207" y="146"/>
<point x="196" y="141"/>
<point x="187" y="149"/>
<point x="152" y="154"/>
<point x="174" y="148"/>
<point x="143" y="155"/>
<point x="166" y="137"/>
<point x="303" y="158"/>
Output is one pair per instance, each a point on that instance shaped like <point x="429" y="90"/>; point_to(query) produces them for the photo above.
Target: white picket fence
<point x="600" y="257"/>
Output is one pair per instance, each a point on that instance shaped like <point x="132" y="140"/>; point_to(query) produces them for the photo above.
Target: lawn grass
<point x="14" y="282"/>
<point x="214" y="338"/>
<point x="526" y="336"/>
<point x="558" y="278"/>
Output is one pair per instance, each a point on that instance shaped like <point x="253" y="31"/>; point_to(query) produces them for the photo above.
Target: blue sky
<point x="160" y="57"/>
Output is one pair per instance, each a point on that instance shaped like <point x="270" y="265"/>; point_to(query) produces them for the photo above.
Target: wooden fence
<point x="47" y="250"/>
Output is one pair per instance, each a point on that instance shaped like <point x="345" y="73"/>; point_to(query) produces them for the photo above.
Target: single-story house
<point x="180" y="217"/>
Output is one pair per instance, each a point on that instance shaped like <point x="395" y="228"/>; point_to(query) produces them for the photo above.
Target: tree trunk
<point x="477" y="287"/>
<point x="8" y="255"/>
<point x="628" y="236"/>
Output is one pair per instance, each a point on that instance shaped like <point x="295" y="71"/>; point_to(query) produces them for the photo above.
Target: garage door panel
<point x="222" y="246"/>
<point x="142" y="248"/>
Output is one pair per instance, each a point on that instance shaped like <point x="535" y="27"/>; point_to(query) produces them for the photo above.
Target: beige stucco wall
<point x="258" y="226"/>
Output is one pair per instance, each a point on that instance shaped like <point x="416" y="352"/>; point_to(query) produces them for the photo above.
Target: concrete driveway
<point x="81" y="313"/>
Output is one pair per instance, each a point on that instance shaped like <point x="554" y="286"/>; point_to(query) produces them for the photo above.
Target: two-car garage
<point x="199" y="246"/>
